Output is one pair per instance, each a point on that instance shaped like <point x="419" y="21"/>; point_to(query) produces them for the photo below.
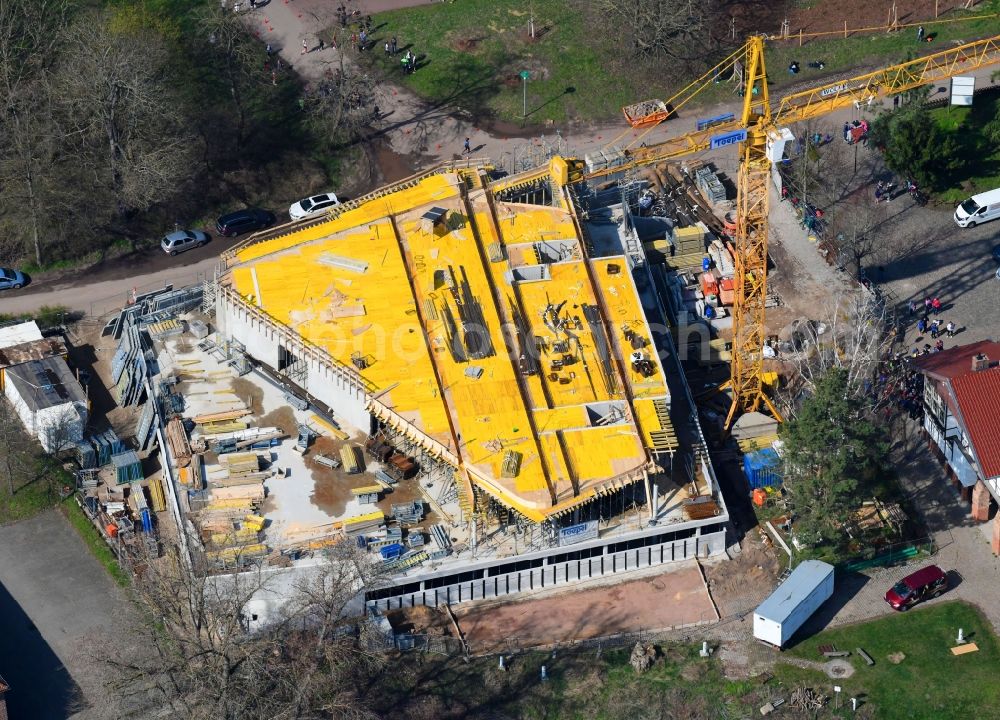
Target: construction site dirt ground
<point x="666" y="599"/>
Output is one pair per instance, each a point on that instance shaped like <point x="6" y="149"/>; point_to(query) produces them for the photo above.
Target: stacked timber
<point x="229" y="557"/>
<point x="251" y="491"/>
<point x="244" y="536"/>
<point x="177" y="440"/>
<point x="217" y="417"/>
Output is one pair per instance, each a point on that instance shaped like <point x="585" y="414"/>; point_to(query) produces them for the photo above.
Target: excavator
<point x="760" y="130"/>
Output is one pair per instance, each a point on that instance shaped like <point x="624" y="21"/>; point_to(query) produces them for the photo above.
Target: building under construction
<point x="508" y="334"/>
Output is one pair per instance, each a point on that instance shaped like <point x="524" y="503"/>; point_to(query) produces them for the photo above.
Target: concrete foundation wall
<point x="262" y="343"/>
<point x="560" y="573"/>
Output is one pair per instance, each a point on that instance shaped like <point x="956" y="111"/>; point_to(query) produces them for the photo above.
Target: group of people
<point x="902" y="386"/>
<point x="409" y="62"/>
<point x="856" y="131"/>
<point x="931" y="305"/>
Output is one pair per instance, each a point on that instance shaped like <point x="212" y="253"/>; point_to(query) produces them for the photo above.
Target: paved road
<point x="60" y="610"/>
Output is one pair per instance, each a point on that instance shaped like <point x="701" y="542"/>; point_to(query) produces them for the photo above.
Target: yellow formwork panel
<point x="561" y="418"/>
<point x="429" y="189"/>
<point x="520" y="223"/>
<point x="600" y="453"/>
<point x="646" y="418"/>
<point x="580" y="381"/>
<point x="487" y="412"/>
<point x="387" y="297"/>
<point x="625" y="311"/>
<point x="370" y="314"/>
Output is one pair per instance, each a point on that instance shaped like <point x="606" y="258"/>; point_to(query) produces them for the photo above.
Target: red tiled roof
<point x="956" y="361"/>
<point x="978" y="396"/>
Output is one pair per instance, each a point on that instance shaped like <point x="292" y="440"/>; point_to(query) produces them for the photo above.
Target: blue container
<point x="391" y="552"/>
<point x="706" y="264"/>
<point x="147" y="520"/>
<point x="762" y="468"/>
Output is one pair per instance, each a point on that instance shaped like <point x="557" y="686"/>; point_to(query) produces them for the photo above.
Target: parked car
<point x="11" y="279"/>
<point x="978" y="209"/>
<point x="928" y="582"/>
<point x="181" y="240"/>
<point x="244" y="221"/>
<point x="312" y="205"/>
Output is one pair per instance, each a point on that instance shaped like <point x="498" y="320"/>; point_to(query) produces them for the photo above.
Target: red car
<point x="928" y="582"/>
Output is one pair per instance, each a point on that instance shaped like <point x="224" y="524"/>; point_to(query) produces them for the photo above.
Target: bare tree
<point x="857" y="226"/>
<point x="15" y="456"/>
<point x="855" y="337"/>
<point x="116" y="105"/>
<point x="820" y="173"/>
<point x="343" y="106"/>
<point x="240" y="58"/>
<point x="29" y="30"/>
<point x="657" y="29"/>
<point x="203" y="648"/>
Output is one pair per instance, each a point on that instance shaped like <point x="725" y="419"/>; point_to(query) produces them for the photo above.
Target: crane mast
<point x="746" y="381"/>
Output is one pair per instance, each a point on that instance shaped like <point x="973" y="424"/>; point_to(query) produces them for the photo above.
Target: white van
<point x="978" y="209"/>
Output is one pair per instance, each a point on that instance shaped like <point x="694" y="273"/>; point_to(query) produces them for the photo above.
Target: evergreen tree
<point x="833" y="452"/>
<point x="915" y="146"/>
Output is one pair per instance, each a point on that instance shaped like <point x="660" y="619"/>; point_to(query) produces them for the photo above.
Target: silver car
<point x="181" y="240"/>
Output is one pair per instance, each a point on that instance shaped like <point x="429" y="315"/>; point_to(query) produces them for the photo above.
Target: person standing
<point x="950" y="327"/>
<point x="392" y="44"/>
<point x="322" y="44"/>
<point x="362" y="40"/>
<point x="936" y="305"/>
<point x="387" y="53"/>
<point x="921" y="326"/>
<point x="920" y="33"/>
<point x="305" y="47"/>
<point x="913" y="307"/>
<point x="467" y="148"/>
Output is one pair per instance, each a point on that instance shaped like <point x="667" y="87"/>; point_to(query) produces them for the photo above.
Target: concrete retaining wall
<point x="560" y="573"/>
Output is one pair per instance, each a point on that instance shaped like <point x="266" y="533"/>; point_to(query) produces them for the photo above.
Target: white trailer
<point x="791" y="604"/>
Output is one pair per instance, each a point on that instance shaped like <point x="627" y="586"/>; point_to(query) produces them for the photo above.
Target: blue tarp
<point x="762" y="468"/>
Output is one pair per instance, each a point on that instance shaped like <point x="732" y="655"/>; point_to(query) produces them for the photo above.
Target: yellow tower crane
<point x="761" y="132"/>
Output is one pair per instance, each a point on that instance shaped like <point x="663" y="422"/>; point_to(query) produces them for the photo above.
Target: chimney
<point x="980" y="362"/>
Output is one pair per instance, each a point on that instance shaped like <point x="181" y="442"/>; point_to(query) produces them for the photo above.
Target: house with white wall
<point x="40" y="387"/>
<point x="961" y="404"/>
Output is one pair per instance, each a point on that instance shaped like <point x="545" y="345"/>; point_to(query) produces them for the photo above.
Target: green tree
<point x="833" y="452"/>
<point x="914" y="146"/>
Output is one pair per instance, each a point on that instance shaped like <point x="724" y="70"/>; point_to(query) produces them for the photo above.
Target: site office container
<point x="793" y="602"/>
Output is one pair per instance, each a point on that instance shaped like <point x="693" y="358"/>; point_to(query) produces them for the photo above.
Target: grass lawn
<point x="94" y="541"/>
<point x="27" y="501"/>
<point x="930" y="682"/>
<point x="476" y="48"/>
<point x="980" y="170"/>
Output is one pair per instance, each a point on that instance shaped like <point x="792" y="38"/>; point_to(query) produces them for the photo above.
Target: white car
<point x="312" y="205"/>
